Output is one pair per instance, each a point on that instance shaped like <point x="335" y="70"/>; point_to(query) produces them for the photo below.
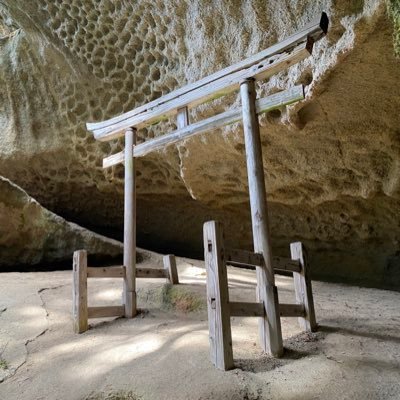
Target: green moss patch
<point x="172" y="297"/>
<point x="181" y="299"/>
<point x="119" y="395"/>
<point x="3" y="364"/>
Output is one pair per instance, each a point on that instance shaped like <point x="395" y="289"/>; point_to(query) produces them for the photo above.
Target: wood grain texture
<point x="242" y="309"/>
<point x="151" y="273"/>
<point x="283" y="264"/>
<point x="269" y="103"/>
<point x="267" y="293"/>
<point x="130" y="225"/>
<point x="106" y="311"/>
<point x="249" y="260"/>
<point x="170" y="268"/>
<point x="260" y="71"/>
<point x="217" y="297"/>
<point x="316" y="29"/>
<point x="291" y="310"/>
<point x="182" y="117"/>
<point x="106" y="272"/>
<point x="79" y="291"/>
<point x="303" y="288"/>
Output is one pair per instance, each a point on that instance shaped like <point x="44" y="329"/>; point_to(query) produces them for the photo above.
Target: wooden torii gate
<point x="177" y="103"/>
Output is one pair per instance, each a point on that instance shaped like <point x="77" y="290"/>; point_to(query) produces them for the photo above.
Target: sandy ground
<point x="163" y="353"/>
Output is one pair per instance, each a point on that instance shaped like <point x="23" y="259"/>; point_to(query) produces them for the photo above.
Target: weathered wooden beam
<point x="283" y="264"/>
<point x="291" y="310"/>
<point x="170" y="269"/>
<point x="150" y="273"/>
<point x="130" y="225"/>
<point x="263" y="70"/>
<point x="315" y="30"/>
<point x="106" y="272"/>
<point x="303" y="289"/>
<point x="217" y="297"/>
<point x="106" y="311"/>
<point x="242" y="309"/>
<point x="269" y="103"/>
<point x="182" y="117"/>
<point x="267" y="292"/>
<point x="79" y="292"/>
<point x="249" y="260"/>
<point x="243" y="257"/>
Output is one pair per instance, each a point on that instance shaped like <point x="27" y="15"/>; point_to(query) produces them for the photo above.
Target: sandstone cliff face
<point x="30" y="234"/>
<point x="332" y="162"/>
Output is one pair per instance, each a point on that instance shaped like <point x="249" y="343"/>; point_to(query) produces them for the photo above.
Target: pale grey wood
<point x="219" y="323"/>
<point x="151" y="273"/>
<point x="291" y="310"/>
<point x="130" y="226"/>
<point x="269" y="103"/>
<point x="249" y="260"/>
<point x="267" y="293"/>
<point x="182" y="117"/>
<point x="79" y="292"/>
<point x="303" y="288"/>
<point x="106" y="311"/>
<point x="263" y="70"/>
<point x="283" y="264"/>
<point x="315" y="30"/>
<point x="243" y="257"/>
<point x="242" y="309"/>
<point x="170" y="268"/>
<point x="106" y="272"/>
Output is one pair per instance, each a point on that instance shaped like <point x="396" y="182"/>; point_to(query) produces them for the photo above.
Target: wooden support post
<point x="170" y="269"/>
<point x="267" y="293"/>
<point x="217" y="297"/>
<point x="79" y="292"/>
<point x="302" y="288"/>
<point x="130" y="226"/>
<point x="182" y="118"/>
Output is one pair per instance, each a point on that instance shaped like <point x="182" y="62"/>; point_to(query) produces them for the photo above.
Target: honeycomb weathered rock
<point x="332" y="162"/>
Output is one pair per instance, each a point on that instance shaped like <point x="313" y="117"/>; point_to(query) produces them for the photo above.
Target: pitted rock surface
<point x="332" y="161"/>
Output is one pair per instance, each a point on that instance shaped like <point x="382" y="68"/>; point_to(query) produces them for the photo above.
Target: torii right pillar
<point x="267" y="293"/>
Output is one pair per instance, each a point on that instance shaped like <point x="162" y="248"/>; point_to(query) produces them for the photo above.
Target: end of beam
<point x="324" y="22"/>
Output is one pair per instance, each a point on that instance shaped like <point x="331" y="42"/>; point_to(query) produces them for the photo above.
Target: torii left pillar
<point x="130" y="225"/>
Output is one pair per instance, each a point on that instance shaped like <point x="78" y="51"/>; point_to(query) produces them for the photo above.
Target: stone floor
<point x="163" y="353"/>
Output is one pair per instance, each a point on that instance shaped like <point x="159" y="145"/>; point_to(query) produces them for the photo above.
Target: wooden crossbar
<point x="151" y="273"/>
<point x="106" y="311"/>
<point x="119" y="272"/>
<point x="106" y="272"/>
<point x="291" y="310"/>
<point x="193" y="94"/>
<point x="248" y="259"/>
<point x="242" y="309"/>
<point x="220" y="308"/>
<point x="81" y="272"/>
<point x="263" y="70"/>
<point x="265" y="104"/>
